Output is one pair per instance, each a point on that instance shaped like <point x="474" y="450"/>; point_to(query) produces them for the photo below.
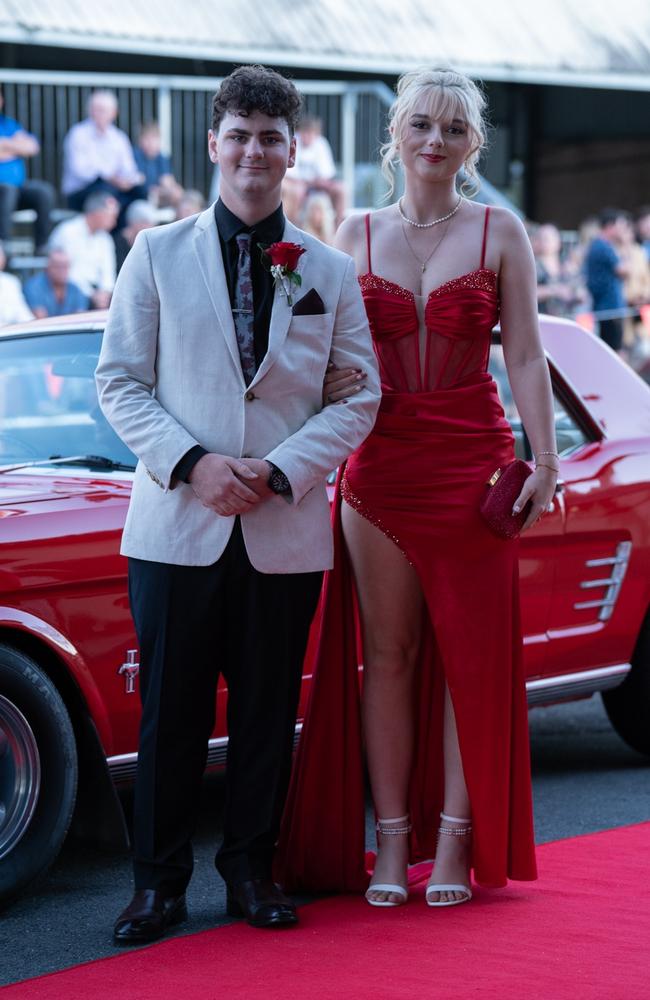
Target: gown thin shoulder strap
<point x="485" y="232"/>
<point x="368" y="242"/>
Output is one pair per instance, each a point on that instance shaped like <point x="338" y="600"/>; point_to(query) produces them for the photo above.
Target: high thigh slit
<point x="418" y="478"/>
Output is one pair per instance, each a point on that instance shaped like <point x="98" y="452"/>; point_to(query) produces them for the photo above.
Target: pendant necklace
<point x="435" y="222"/>
<point x="423" y="263"/>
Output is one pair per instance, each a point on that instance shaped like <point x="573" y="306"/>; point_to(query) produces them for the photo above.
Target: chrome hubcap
<point x="20" y="775"/>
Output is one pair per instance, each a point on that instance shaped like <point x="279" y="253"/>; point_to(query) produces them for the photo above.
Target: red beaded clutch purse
<point x="502" y="489"/>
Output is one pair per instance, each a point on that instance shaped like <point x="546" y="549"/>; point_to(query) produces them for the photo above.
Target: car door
<point x="591" y="563"/>
<point x="601" y="571"/>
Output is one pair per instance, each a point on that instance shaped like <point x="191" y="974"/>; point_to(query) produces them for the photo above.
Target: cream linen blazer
<point x="169" y="377"/>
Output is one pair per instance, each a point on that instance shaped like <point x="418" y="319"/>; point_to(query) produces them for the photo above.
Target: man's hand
<point x="121" y="183"/>
<point x="19" y="145"/>
<point x="262" y="470"/>
<point x="218" y="482"/>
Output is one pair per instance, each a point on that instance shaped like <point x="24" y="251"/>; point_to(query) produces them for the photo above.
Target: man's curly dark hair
<point x="256" y="88"/>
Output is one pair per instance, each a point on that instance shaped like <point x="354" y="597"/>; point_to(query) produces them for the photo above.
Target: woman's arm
<point x="525" y="361"/>
<point x="340" y="384"/>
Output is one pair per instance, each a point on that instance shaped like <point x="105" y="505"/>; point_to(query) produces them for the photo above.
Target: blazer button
<point x="249" y="397"/>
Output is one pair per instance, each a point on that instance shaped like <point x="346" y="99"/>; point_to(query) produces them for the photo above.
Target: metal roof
<point x="586" y="42"/>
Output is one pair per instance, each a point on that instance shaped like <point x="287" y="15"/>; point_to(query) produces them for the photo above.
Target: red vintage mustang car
<point x="69" y="705"/>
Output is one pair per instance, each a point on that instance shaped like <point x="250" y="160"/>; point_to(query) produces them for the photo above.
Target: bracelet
<point x="545" y="465"/>
<point x="553" y="453"/>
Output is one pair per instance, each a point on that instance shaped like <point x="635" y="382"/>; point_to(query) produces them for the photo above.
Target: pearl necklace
<point x="427" y="225"/>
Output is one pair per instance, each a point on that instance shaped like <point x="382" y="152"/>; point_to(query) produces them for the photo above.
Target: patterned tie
<point x="243" y="311"/>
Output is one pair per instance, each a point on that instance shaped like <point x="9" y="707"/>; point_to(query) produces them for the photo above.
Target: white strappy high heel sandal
<point x="390" y="828"/>
<point x="450" y="831"/>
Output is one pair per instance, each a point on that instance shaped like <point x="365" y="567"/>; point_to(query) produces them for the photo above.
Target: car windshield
<point x="48" y="401"/>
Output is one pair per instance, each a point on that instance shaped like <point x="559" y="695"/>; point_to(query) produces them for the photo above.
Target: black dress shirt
<point x="268" y="230"/>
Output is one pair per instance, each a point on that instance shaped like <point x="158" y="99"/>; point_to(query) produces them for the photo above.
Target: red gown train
<point x="419" y="477"/>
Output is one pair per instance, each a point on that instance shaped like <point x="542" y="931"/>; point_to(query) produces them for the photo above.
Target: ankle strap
<point x="393" y="827"/>
<point x="454" y="819"/>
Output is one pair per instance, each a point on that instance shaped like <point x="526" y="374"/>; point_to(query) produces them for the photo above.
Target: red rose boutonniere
<point x="282" y="260"/>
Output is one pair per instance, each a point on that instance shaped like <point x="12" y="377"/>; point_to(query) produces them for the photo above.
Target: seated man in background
<point x="91" y="250"/>
<point x="314" y="170"/>
<point x="16" y="191"/>
<point x="139" y="215"/>
<point x="97" y="156"/>
<point x="191" y="203"/>
<point x="51" y="293"/>
<point x="161" y="186"/>
<point x="13" y="308"/>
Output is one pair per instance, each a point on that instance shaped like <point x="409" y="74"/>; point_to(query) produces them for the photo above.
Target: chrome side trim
<point x="613" y="584"/>
<point x="610" y="560"/>
<point x="122" y="767"/>
<point x="566" y="686"/>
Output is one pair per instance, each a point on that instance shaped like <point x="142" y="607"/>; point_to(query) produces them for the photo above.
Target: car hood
<point x="19" y="490"/>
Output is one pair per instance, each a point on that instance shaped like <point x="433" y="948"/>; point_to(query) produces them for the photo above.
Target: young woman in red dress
<point x="443" y="711"/>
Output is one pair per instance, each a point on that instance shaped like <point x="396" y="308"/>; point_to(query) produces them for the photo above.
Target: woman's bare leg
<point x="452" y="853"/>
<point x="390" y="604"/>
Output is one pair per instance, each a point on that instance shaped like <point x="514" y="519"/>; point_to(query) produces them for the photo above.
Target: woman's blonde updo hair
<point x="444" y="94"/>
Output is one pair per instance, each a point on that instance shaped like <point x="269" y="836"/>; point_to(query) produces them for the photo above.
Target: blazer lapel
<point x="210" y="261"/>
<point x="281" y="310"/>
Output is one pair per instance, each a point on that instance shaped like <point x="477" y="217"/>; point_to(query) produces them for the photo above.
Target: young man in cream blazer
<point x="228" y="531"/>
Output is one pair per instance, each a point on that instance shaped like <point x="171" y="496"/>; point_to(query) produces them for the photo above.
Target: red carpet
<point x="580" y="933"/>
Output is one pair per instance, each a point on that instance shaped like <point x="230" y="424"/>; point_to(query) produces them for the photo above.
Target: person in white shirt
<point x="314" y="159"/>
<point x="98" y="156"/>
<point x="89" y="246"/>
<point x="13" y="308"/>
<point x="314" y="170"/>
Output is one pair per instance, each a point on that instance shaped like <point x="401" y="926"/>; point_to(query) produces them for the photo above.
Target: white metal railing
<point x="49" y="102"/>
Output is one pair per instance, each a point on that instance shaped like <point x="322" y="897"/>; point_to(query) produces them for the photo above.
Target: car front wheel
<point x="628" y="705"/>
<point x="38" y="771"/>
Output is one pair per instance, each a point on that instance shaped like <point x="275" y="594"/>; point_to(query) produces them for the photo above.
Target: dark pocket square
<point x="310" y="304"/>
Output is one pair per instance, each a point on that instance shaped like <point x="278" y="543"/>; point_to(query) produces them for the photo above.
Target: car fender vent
<point x="612" y="583"/>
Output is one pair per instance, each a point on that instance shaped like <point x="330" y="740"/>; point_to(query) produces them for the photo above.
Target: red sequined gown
<point x="419" y="477"/>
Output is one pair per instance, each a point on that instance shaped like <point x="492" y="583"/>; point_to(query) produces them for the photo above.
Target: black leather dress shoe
<point x="261" y="903"/>
<point x="148" y="915"/>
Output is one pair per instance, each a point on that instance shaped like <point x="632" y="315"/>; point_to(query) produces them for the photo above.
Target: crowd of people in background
<point x="111" y="190"/>
<point x="599" y="275"/>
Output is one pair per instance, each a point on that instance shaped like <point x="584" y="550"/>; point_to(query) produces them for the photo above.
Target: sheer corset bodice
<point x="458" y="318"/>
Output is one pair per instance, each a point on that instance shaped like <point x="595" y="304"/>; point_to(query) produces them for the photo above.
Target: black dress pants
<point x="193" y="624"/>
<point x="38" y="195"/>
<point x="77" y="199"/>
